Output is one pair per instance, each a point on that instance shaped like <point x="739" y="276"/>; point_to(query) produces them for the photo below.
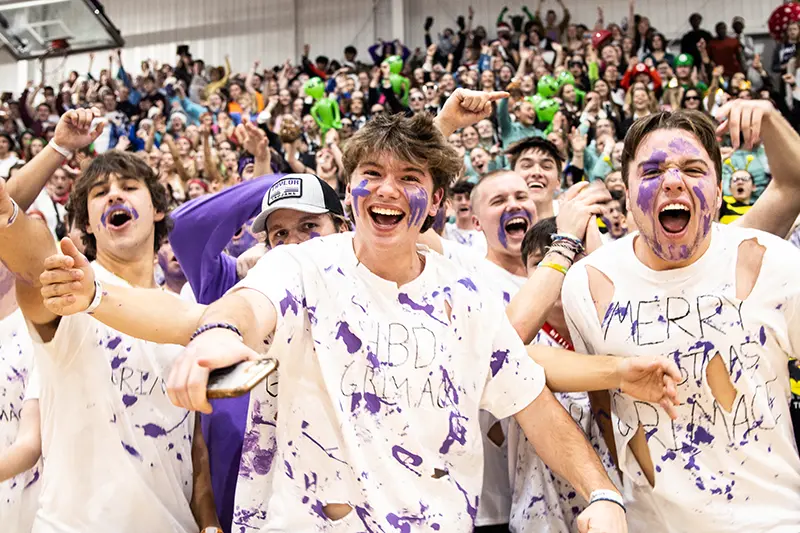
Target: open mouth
<point x="463" y="209"/>
<point x="740" y="190"/>
<point x="674" y="218"/>
<point x="516" y="227"/>
<point x="536" y="185"/>
<point x="117" y="217"/>
<point x="386" y="218"/>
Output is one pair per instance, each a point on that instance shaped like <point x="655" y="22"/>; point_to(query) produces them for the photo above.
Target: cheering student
<point x="119" y="455"/>
<point x="340" y="308"/>
<point x="723" y="302"/>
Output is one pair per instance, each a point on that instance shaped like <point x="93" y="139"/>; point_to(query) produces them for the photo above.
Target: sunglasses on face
<point x="417" y="98"/>
<point x="575" y="64"/>
<point x="692" y="97"/>
<point x="741" y="179"/>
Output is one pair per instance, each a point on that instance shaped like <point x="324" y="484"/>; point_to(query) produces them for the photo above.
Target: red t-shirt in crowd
<point x="725" y="52"/>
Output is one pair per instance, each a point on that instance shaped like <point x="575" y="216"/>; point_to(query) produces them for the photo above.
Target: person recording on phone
<point x="114" y="443"/>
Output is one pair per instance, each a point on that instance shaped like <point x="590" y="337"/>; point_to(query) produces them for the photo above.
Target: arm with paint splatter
<point x="210" y="271"/>
<point x="779" y="204"/>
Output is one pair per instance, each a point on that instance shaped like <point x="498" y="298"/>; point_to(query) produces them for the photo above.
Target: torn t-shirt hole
<point x="602" y="290"/>
<point x="748" y="267"/>
<point x="438" y="473"/>
<point x="496" y="435"/>
<point x="719" y="381"/>
<point x="336" y="511"/>
<point x="641" y="451"/>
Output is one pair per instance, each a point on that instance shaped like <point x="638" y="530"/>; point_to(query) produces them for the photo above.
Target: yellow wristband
<point x="555" y="266"/>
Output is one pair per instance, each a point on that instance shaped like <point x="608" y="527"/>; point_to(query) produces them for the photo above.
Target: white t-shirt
<point x="542" y="501"/>
<point x="18" y="495"/>
<point x="715" y="471"/>
<point x="51" y="211"/>
<point x="468" y="237"/>
<point x="495" y="503"/>
<point x="381" y="389"/>
<point x="118" y="453"/>
<point x="7" y="163"/>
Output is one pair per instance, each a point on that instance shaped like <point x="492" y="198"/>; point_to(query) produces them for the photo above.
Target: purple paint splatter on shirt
<point x="468" y="284"/>
<point x="499" y="358"/>
<point x="129" y="399"/>
<point x="456" y="433"/>
<point x="154" y="430"/>
<point x="372" y="402"/>
<point x="762" y="336"/>
<point x="702" y="436"/>
<point x="418" y="205"/>
<point x="351" y="341"/>
<point x="117" y="361"/>
<point x="113" y="343"/>
<point x="403" y="523"/>
<point x="359" y="191"/>
<point x="289" y="472"/>
<point x="406" y="458"/>
<point x="290" y="302"/>
<point x="131" y="450"/>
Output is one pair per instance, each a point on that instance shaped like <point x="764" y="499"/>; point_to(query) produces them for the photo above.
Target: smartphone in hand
<point x="239" y="379"/>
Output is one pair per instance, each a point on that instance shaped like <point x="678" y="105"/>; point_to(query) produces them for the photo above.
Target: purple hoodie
<point x="203" y="228"/>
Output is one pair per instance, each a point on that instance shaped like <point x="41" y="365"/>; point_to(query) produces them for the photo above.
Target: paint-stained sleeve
<point x="514" y="379"/>
<point x="69" y="342"/>
<point x="278" y="276"/>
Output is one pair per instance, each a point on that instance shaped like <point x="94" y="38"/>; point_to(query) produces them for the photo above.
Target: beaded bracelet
<point x="568" y="255"/>
<point x="555" y="266"/>
<point x="216" y="325"/>
<point x="573" y="243"/>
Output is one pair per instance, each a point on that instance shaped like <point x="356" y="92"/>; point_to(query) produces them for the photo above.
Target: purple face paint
<point x="683" y="147"/>
<point x="359" y="191"/>
<point x="418" y="205"/>
<point x="313" y="235"/>
<point x="504" y="218"/>
<point x="440" y="221"/>
<point x="118" y="207"/>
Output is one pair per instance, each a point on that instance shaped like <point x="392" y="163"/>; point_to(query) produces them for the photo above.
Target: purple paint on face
<point x="683" y="147"/>
<point x="113" y="343"/>
<point x="440" y="221"/>
<point x="118" y="207"/>
<point x="129" y="399"/>
<point x="313" y="235"/>
<point x="499" y="358"/>
<point x="504" y="218"/>
<point x="406" y="458"/>
<point x="131" y="450"/>
<point x="117" y="362"/>
<point x="457" y="432"/>
<point x="359" y="191"/>
<point x="684" y="252"/>
<point x="418" y="205"/>
<point x="468" y="284"/>
<point x="290" y="302"/>
<point x="351" y="341"/>
<point x="154" y="430"/>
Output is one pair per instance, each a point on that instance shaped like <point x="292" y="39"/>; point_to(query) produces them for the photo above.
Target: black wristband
<point x="601" y="499"/>
<point x="217" y="325"/>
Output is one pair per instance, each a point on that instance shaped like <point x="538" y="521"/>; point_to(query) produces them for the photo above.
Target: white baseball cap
<point x="300" y="192"/>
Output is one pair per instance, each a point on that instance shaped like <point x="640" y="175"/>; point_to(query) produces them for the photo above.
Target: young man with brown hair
<point x="119" y="456"/>
<point x="723" y="303"/>
<point x="367" y="328"/>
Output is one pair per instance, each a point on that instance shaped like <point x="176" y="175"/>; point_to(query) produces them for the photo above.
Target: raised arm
<point x="68" y="287"/>
<point x="255" y="141"/>
<point x="212" y="170"/>
<point x="779" y="205"/>
<point x="217" y="218"/>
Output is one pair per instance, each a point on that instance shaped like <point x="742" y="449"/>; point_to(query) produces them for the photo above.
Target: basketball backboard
<point x="47" y="28"/>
